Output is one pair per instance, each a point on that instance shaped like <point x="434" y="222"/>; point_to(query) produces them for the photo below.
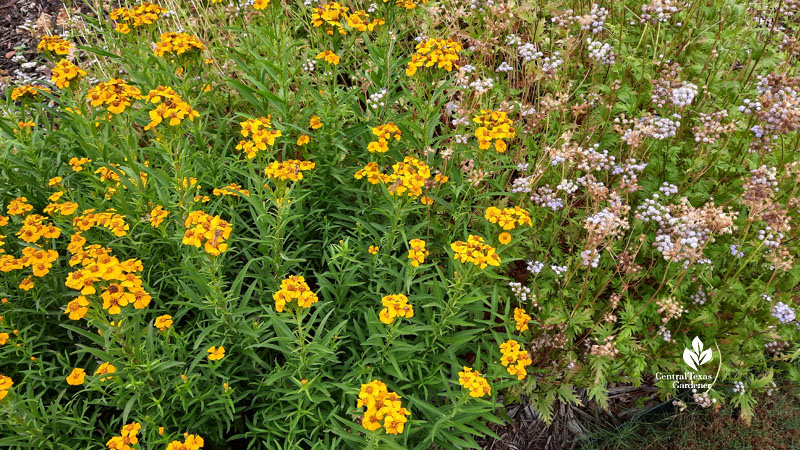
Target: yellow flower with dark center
<point x="504" y="238"/>
<point x="373" y="249"/>
<point x="331" y="17"/>
<point x="64" y="72"/>
<point x="19" y="206"/>
<point x="409" y="4"/>
<point x="105" y="369"/>
<point x="76" y="377"/>
<point x="3" y="338"/>
<point x="303" y="139"/>
<point x="495" y="127"/>
<point x="259" y="4"/>
<point x="170" y="107"/>
<point x="164" y="322"/>
<point x="216" y="353"/>
<point x="143" y="14"/>
<point x="384" y="133"/>
<point x="77" y="308"/>
<point x="232" y="189"/>
<point x="442" y="53"/>
<point x="360" y="21"/>
<point x="55" y="44"/>
<point x="190" y="442"/>
<point x="209" y="231"/>
<point x="295" y="289"/>
<point x="472" y="380"/>
<point x="508" y="218"/>
<point x="521" y="319"/>
<point x="78" y="163"/>
<point x="5" y="386"/>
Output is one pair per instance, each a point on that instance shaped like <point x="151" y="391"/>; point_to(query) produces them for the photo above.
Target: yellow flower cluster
<point x="99" y="265"/>
<point x="63" y="208"/>
<point x="521" y="319"/>
<point x="384" y="133"/>
<point x="291" y="169"/>
<point x="211" y="229"/>
<point x="64" y="72"/>
<point x="475" y="252"/>
<point x="177" y="44"/>
<point x="190" y="442"/>
<point x="360" y="21"/>
<point x="514" y="359"/>
<point x="170" y="106"/>
<point x="294" y="288"/>
<point x="408" y="177"/>
<point x="495" y="126"/>
<point x="395" y="305"/>
<point x="127" y="439"/>
<point x="33" y="229"/>
<point x="5" y="385"/>
<point x="472" y="380"/>
<point x="157" y="216"/>
<point x="55" y="44"/>
<point x="443" y="53"/>
<point x="417" y="252"/>
<point x="28" y="90"/>
<point x="329" y="57"/>
<point x="409" y="4"/>
<point x="78" y="163"/>
<point x="382" y="405"/>
<point x="232" y="189"/>
<point x="142" y="14"/>
<point x="40" y="261"/>
<point x="19" y="206"/>
<point x="257" y="4"/>
<point x="115" y="94"/>
<point x="109" y="220"/>
<point x="508" y="218"/>
<point x="260" y="133"/>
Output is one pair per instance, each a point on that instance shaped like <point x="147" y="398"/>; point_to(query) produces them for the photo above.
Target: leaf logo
<point x="696" y="357"/>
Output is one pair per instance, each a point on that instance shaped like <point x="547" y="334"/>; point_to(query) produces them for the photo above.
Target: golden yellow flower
<point x="76" y="377"/>
<point x="216" y="353"/>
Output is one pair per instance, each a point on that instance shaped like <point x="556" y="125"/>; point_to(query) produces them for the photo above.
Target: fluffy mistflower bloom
<point x="28" y="90"/>
<point x="164" y="322"/>
<point x="442" y="53"/>
<point x="296" y="289"/>
<point x="64" y="72"/>
<point x="495" y="127"/>
<point x="76" y="377"/>
<point x="373" y="249"/>
<point x="472" y="380"/>
<point x="77" y="308"/>
<point x="105" y="369"/>
<point x="55" y="44"/>
<point x="216" y="353"/>
<point x="381" y="404"/>
<point x="504" y="238"/>
<point x="395" y="306"/>
<point x="521" y="319"/>
<point x="417" y="252"/>
<point x="177" y="44"/>
<point x="328" y="56"/>
<point x="476" y="252"/>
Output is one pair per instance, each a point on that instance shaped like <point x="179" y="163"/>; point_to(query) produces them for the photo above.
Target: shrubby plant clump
<point x="375" y="225"/>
